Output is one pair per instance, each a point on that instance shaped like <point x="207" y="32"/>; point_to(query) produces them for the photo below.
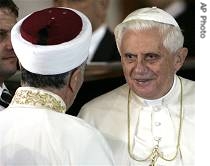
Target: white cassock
<point x="33" y="133"/>
<point x="152" y="122"/>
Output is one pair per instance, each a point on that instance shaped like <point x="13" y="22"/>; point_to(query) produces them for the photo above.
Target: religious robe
<point x="34" y="131"/>
<point x="152" y="123"/>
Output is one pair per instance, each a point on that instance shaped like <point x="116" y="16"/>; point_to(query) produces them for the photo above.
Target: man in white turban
<point x="52" y="47"/>
<point x="149" y="120"/>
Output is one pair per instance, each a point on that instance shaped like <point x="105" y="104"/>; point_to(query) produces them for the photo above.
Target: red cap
<point x="45" y="27"/>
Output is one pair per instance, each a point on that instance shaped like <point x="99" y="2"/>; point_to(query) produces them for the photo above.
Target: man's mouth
<point x="9" y="57"/>
<point x="142" y="81"/>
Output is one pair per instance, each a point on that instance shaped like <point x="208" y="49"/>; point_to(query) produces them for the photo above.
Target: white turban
<point x="52" y="41"/>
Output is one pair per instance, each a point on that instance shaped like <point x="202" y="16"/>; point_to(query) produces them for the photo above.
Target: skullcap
<point x="153" y="14"/>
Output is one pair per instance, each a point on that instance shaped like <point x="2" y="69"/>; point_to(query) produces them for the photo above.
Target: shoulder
<point x="83" y="136"/>
<point x="66" y="133"/>
<point x="188" y="97"/>
<point x="71" y="125"/>
<point x="188" y="86"/>
<point x="106" y="105"/>
<point x="73" y="129"/>
<point x="109" y="99"/>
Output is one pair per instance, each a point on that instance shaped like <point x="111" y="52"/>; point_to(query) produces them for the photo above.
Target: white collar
<point x="39" y="98"/>
<point x="164" y="99"/>
<point x="97" y="36"/>
<point x="160" y="100"/>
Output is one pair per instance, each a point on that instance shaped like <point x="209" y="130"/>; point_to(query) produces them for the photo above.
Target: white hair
<point x="173" y="38"/>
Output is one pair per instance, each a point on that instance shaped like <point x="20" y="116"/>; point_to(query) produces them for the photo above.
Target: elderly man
<point x="149" y="120"/>
<point x="34" y="129"/>
<point x="8" y="60"/>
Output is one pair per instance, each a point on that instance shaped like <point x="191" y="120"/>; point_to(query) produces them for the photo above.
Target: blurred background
<point x="101" y="77"/>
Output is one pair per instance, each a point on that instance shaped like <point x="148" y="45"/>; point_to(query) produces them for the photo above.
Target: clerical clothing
<point x="35" y="131"/>
<point x="152" y="123"/>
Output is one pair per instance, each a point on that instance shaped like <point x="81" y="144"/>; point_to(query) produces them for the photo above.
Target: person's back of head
<point x="52" y="58"/>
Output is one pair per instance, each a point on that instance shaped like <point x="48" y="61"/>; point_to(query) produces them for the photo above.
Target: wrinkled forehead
<point x="153" y="33"/>
<point x="136" y="36"/>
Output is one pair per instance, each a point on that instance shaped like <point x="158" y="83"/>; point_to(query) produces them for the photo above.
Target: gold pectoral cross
<point x="154" y="156"/>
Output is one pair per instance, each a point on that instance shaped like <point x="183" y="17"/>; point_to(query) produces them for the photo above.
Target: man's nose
<point x="8" y="41"/>
<point x="141" y="66"/>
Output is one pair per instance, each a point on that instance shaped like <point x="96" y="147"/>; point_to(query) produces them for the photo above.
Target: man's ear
<point x="181" y="54"/>
<point x="74" y="80"/>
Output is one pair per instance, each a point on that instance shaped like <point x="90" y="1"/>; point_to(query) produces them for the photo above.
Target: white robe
<point x="149" y="121"/>
<point x="33" y="133"/>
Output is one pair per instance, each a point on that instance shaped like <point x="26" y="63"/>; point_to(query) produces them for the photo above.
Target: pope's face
<point x="8" y="59"/>
<point x="148" y="66"/>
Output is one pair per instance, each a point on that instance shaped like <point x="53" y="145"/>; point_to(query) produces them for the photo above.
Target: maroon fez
<point x="45" y="27"/>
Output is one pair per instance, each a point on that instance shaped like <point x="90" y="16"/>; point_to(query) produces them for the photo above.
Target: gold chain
<point x="155" y="154"/>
